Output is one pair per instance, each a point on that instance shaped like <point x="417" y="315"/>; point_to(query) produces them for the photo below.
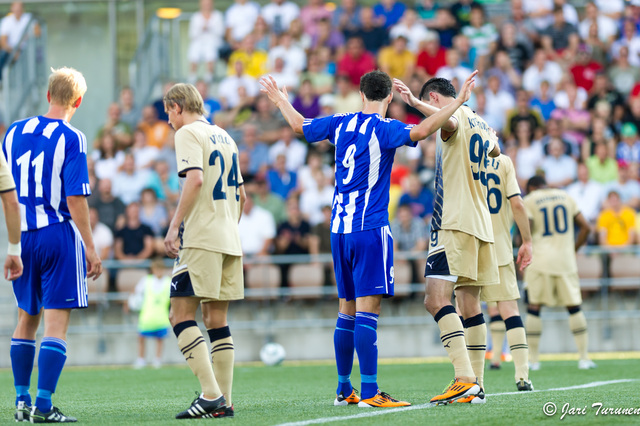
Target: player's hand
<point x="467" y="87"/>
<point x="405" y="92"/>
<point x="270" y="87"/>
<point x="94" y="264"/>
<point x="171" y="245"/>
<point x="12" y="268"/>
<point x="525" y="254"/>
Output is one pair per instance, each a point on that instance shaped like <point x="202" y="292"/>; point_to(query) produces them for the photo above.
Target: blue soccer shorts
<point x="363" y="263"/>
<point x="55" y="273"/>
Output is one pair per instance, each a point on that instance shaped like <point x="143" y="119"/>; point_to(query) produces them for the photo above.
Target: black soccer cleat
<point x="53" y="416"/>
<point x="228" y="412"/>
<point x="23" y="412"/>
<point x="524" y="385"/>
<point x="203" y="409"/>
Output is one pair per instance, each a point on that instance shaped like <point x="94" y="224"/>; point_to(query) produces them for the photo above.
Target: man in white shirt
<point x="559" y="168"/>
<point x="257" y="229"/>
<point x="611" y="8"/>
<point x="102" y="235"/>
<point x="607" y="28"/>
<point x="206" y="32"/>
<point x="228" y="89"/>
<point x="295" y="59"/>
<point x="498" y="103"/>
<point x="240" y="19"/>
<point x="587" y="193"/>
<point x="294" y="150"/>
<point x="540" y="70"/>
<point x="453" y="69"/>
<point x="626" y="186"/>
<point x="11" y="29"/>
<point x="278" y="15"/>
<point x="539" y="11"/>
<point x="413" y="30"/>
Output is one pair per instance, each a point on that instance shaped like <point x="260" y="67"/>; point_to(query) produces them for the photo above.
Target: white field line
<point x="382" y="412"/>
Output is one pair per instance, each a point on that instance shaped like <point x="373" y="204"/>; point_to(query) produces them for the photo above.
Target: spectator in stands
<point x="602" y="90"/>
<point x="446" y="26"/>
<point x="560" y="35"/>
<point x="498" y="103"/>
<point x="516" y="49"/>
<point x="427" y="11"/>
<point x="263" y="35"/>
<point x="110" y="209"/>
<point x="599" y="133"/>
<point x="292" y="237"/>
<point x="295" y="59"/>
<point x="102" y="235"/>
<point x="356" y="61"/>
<point x="611" y="8"/>
<point x="129" y="183"/>
<point x="258" y="151"/>
<point x="526" y="31"/>
<point x="206" y="36"/>
<point x="628" y="149"/>
<point x="134" y="241"/>
<point x="371" y="31"/>
<point x="431" y="57"/>
<point x="292" y="148"/>
<point x="607" y="27"/>
<point x="257" y="229"/>
<point x="418" y="198"/>
<point x="626" y="186"/>
<point x="453" y="70"/>
<point x="540" y="12"/>
<point x="211" y="105"/>
<point x="158" y="104"/>
<point x="307" y="101"/>
<point x="530" y="154"/>
<point x="312" y="14"/>
<point x="623" y="76"/>
<point x="461" y="10"/>
<point x="616" y="223"/>
<point x="283" y="76"/>
<point x="256" y="62"/>
<point x="107" y="159"/>
<point x="267" y="119"/>
<point x="145" y="155"/>
<point x="152" y="213"/>
<point x="121" y="132"/>
<point x="482" y="35"/>
<point x="588" y="194"/>
<point x="300" y="38"/>
<point x="585" y="69"/>
<point x="540" y="70"/>
<point x="559" y="168"/>
<point x="389" y="12"/>
<point x="510" y="78"/>
<point x="282" y="181"/>
<point x="602" y="167"/>
<point x="278" y="14"/>
<point x="346" y="17"/>
<point x="555" y="130"/>
<point x="598" y="50"/>
<point x="570" y="103"/>
<point x="155" y="130"/>
<point x="263" y="197"/>
<point x="396" y="60"/>
<point x="411" y="28"/>
<point x="466" y="52"/>
<point x="166" y="185"/>
<point x="315" y="195"/>
<point x="12" y="29"/>
<point x="321" y="80"/>
<point x="629" y="37"/>
<point x="569" y="11"/>
<point x="543" y="101"/>
<point x="327" y="36"/>
<point x="239" y="20"/>
<point x="522" y="112"/>
<point x="410" y="234"/>
<point x="229" y="86"/>
<point x="346" y="98"/>
<point x="128" y="113"/>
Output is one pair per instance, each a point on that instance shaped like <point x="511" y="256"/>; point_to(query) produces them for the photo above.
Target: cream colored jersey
<point x="552" y="212"/>
<point x="461" y="165"/>
<point x="6" y="180"/>
<point x="502" y="185"/>
<point x="212" y="223"/>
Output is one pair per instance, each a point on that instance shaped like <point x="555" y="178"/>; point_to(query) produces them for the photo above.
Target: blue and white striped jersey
<point x="365" y="147"/>
<point x="48" y="161"/>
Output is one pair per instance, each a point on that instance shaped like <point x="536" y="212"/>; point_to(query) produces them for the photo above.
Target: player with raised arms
<point x="461" y="252"/>
<point x="361" y="242"/>
<point x="48" y="160"/>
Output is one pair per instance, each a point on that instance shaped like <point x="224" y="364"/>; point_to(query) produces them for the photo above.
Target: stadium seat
<point x="306" y="280"/>
<point x="264" y="280"/>
<point x="128" y="279"/>
<point x="590" y="272"/>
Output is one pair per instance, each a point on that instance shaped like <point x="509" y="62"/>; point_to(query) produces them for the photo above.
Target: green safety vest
<point x="154" y="314"/>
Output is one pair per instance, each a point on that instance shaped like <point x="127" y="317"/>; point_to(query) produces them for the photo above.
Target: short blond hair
<point x="66" y="85"/>
<point x="186" y="96"/>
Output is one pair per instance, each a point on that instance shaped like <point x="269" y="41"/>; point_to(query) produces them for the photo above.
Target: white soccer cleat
<point x="586" y="364"/>
<point x="534" y="366"/>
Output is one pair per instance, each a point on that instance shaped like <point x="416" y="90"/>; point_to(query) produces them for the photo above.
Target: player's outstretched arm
<point x="11" y="206"/>
<point x="427" y="110"/>
<point x="281" y="99"/>
<point x="585" y="230"/>
<point x="79" y="209"/>
<point x="190" y="191"/>
<point x="437" y="120"/>
<point x="525" y="253"/>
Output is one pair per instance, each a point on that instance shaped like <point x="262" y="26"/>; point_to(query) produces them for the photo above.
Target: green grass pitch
<point x="305" y="392"/>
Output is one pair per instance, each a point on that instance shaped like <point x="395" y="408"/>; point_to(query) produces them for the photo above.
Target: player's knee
<point x="432" y="304"/>
<point x="573" y="309"/>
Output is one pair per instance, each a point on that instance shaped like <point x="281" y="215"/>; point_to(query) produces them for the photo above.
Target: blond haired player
<point x="552" y="279"/>
<point x="461" y="252"/>
<point x="208" y="267"/>
<point x="505" y="204"/>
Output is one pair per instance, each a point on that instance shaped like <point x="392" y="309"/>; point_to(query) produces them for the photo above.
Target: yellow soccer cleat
<point x="382" y="399"/>
<point x="351" y="399"/>
<point x="456" y="390"/>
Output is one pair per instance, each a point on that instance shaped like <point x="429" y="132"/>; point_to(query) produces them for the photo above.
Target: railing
<point x="24" y="77"/>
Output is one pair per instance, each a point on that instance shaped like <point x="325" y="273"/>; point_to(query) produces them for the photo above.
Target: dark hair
<point x="536" y="182"/>
<point x="438" y="85"/>
<point x="375" y="85"/>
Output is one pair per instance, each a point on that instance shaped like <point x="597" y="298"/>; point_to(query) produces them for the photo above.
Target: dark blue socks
<point x="366" y="342"/>
<point x="344" y="344"/>
<point x="53" y="354"/>
<point x="22" y="354"/>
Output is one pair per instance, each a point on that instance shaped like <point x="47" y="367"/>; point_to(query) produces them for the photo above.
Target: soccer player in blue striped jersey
<point x="48" y="160"/>
<point x="361" y="242"/>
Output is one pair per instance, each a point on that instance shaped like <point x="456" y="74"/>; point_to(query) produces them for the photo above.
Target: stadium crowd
<point x="561" y="88"/>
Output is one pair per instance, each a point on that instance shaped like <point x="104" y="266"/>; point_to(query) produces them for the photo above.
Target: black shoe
<point x="228" y="412"/>
<point x="53" y="416"/>
<point x="494" y="367"/>
<point x="524" y="385"/>
<point x="23" y="412"/>
<point x="203" y="408"/>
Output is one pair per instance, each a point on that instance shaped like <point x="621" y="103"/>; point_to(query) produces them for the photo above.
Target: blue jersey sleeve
<point x="75" y="174"/>
<point x="397" y="134"/>
<point x="318" y="129"/>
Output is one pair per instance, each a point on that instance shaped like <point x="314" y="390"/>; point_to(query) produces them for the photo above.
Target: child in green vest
<point x="151" y="297"/>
